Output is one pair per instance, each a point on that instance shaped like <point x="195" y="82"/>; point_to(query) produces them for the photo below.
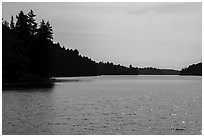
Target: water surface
<point x="107" y="105"/>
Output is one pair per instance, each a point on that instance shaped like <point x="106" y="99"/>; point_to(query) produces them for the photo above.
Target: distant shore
<point x="49" y="83"/>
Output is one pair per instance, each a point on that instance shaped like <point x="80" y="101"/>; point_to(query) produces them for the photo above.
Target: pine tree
<point x="22" y="27"/>
<point x="40" y="51"/>
<point x="5" y="23"/>
<point x="32" y="23"/>
<point x="14" y="61"/>
<point x="45" y="31"/>
<point x="12" y="25"/>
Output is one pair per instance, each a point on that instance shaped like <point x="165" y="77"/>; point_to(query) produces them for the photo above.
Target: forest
<point x="194" y="69"/>
<point x="29" y="54"/>
<point x="31" y="57"/>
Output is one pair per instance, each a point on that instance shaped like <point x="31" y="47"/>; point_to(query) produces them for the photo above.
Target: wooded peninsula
<point x="30" y="57"/>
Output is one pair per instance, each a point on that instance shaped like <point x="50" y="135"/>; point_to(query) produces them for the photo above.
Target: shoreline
<point x="49" y="83"/>
<point x="26" y="85"/>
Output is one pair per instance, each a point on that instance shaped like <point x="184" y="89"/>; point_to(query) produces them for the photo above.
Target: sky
<point x="162" y="35"/>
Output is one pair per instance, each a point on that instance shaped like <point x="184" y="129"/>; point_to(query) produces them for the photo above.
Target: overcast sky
<point x="164" y="35"/>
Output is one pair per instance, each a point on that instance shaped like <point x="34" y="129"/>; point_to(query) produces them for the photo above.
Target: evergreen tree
<point x="45" y="31"/>
<point x="40" y="51"/>
<point x="22" y="26"/>
<point x="5" y="23"/>
<point x="12" y="25"/>
<point x="32" y="23"/>
<point x="14" y="62"/>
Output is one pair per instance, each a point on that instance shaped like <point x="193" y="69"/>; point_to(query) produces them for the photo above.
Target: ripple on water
<point x="143" y="111"/>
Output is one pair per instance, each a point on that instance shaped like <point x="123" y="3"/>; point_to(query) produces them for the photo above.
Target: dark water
<point x="107" y="105"/>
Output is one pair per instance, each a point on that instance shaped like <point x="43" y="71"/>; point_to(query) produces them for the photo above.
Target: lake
<point x="107" y="105"/>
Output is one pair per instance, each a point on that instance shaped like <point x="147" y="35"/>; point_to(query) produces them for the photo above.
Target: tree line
<point x="30" y="55"/>
<point x="25" y="49"/>
<point x="156" y="71"/>
<point x="194" y="69"/>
